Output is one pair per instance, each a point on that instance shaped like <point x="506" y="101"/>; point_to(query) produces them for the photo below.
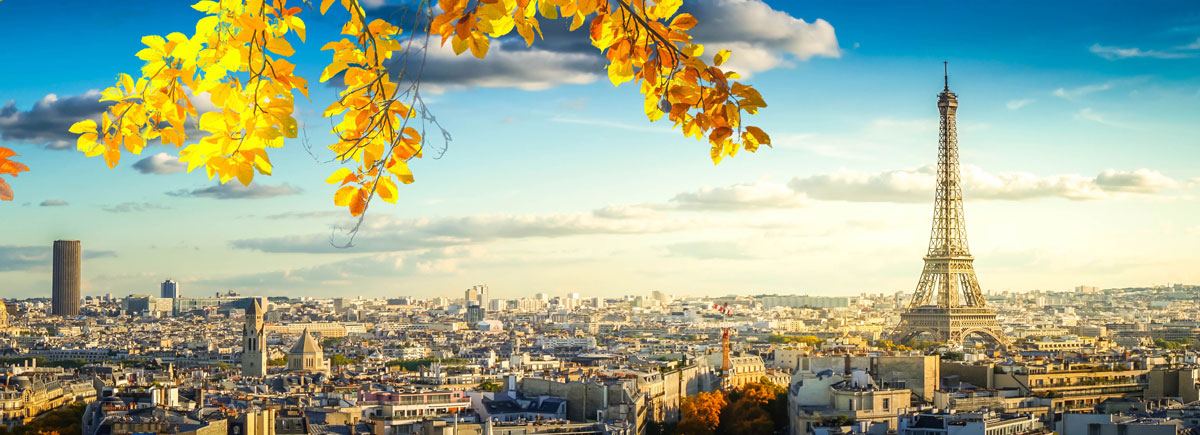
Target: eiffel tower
<point x="948" y="303"/>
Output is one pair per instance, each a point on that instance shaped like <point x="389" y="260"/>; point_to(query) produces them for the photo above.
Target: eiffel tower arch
<point x="948" y="302"/>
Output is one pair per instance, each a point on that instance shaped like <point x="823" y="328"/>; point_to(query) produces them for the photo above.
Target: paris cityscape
<point x="492" y="293"/>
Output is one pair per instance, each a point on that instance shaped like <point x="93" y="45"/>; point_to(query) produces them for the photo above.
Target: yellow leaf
<point x="652" y="107"/>
<point x="342" y="197"/>
<point x="720" y="57"/>
<point x="332" y="70"/>
<point x="245" y="174"/>
<point x="87" y="125"/>
<point x="547" y="9"/>
<point x="479" y="46"/>
<point x="126" y="82"/>
<point x="576" y="22"/>
<point x="620" y="71"/>
<point x="297" y="25"/>
<point x="400" y="169"/>
<point x="206" y="6"/>
<point x="386" y="189"/>
<point x="288" y="125"/>
<point x="325" y="4"/>
<point x="666" y="8"/>
<point x="459" y="45"/>
<point x="338" y="176"/>
<point x="263" y="164"/>
<point x="155" y="41"/>
<point x="280" y="46"/>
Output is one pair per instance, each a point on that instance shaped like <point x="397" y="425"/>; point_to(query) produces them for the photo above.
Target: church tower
<point x="254" y="342"/>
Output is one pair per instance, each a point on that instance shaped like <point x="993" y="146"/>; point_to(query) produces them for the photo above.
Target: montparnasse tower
<point x="948" y="303"/>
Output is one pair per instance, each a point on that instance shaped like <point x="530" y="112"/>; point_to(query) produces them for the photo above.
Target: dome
<point x="22" y="382"/>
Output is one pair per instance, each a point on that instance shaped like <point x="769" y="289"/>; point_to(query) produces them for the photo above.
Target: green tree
<point x="329" y="342"/>
<point x="489" y="386"/>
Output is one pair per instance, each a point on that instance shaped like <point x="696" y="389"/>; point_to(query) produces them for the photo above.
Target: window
<point x="886" y="403"/>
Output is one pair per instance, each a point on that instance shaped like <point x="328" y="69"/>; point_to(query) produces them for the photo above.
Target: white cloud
<point x="46" y="123"/>
<point x="235" y="190"/>
<point x="505" y="67"/>
<point x="874" y="137"/>
<point x="127" y="207"/>
<point x="760" y="37"/>
<point x="1139" y="181"/>
<point x="715" y="250"/>
<point x="1017" y="104"/>
<point x="886" y="186"/>
<point x="383" y="233"/>
<point x="1116" y="53"/>
<point x="630" y="211"/>
<point x="742" y="196"/>
<point x="1087" y="114"/>
<point x="161" y="163"/>
<point x="917" y="185"/>
<point x="1083" y="90"/>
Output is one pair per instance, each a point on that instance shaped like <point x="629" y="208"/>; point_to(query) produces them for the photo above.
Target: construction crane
<point x="726" y="364"/>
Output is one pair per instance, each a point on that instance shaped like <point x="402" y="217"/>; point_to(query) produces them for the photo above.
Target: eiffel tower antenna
<point x="946" y="74"/>
<point x="948" y="302"/>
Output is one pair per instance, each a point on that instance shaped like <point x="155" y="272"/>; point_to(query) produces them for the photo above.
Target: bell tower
<point x="254" y="343"/>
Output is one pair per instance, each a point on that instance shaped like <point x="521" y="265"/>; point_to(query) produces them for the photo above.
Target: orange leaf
<point x="683" y="22"/>
<point x="358" y="204"/>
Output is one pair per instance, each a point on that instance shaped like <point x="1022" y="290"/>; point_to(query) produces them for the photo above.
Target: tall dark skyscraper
<point x="67" y="264"/>
<point x="170" y="289"/>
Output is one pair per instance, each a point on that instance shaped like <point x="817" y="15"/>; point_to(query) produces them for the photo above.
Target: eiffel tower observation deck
<point x="948" y="303"/>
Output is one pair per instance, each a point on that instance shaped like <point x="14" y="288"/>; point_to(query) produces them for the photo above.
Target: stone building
<point x="307" y="356"/>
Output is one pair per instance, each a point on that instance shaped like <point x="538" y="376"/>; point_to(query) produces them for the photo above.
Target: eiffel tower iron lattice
<point x="948" y="302"/>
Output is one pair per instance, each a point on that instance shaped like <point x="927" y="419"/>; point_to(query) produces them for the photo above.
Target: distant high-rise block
<point x="170" y="289"/>
<point x="475" y="314"/>
<point x="476" y="295"/>
<point x="65" y="297"/>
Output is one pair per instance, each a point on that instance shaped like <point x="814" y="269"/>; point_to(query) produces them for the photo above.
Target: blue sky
<point x="1077" y="132"/>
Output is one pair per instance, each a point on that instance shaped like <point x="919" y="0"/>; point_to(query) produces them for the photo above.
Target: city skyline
<point x="1075" y="153"/>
